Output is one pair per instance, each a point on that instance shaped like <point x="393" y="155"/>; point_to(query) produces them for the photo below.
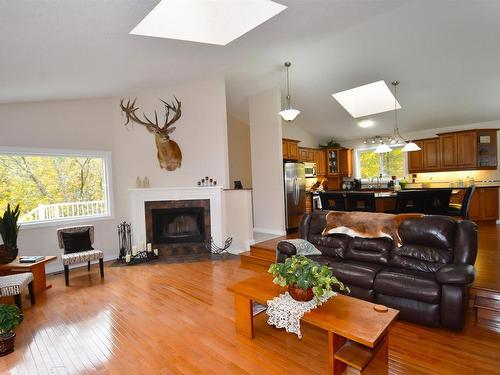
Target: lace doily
<point x="285" y="312"/>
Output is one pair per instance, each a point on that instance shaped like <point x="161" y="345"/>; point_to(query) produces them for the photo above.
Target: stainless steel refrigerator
<point x="295" y="194"/>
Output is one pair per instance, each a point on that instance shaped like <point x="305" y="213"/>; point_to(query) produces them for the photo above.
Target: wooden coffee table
<point x="348" y="321"/>
<point x="37" y="268"/>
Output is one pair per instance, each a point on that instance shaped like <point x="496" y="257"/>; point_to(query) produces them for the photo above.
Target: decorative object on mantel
<point x="169" y="153"/>
<point x="138" y="183"/>
<point x="207" y="182"/>
<point x="214" y="249"/>
<point x="300" y="272"/>
<point x="124" y="239"/>
<point x="10" y="318"/>
<point x="145" y="183"/>
<point x="9" y="230"/>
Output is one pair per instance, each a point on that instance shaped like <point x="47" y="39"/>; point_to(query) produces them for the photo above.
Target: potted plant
<point x="9" y="229"/>
<point x="10" y="318"/>
<point x="305" y="278"/>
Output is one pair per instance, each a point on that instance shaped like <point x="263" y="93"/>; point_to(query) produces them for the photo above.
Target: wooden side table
<point x="37" y="268"/>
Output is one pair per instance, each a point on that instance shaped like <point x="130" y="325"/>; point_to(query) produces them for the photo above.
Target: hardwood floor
<point x="178" y="319"/>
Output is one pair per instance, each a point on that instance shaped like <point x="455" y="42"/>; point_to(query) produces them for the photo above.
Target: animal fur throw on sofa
<point x="366" y="224"/>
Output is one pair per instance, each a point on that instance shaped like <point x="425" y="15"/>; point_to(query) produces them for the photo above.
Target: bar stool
<point x="333" y="201"/>
<point x="361" y="201"/>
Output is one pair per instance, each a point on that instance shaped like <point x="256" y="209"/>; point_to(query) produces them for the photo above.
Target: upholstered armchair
<point x="77" y="244"/>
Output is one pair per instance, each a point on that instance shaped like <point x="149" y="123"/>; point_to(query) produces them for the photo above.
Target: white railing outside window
<point x="64" y="211"/>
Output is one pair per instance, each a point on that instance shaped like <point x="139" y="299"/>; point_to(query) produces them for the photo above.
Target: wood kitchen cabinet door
<point x="431" y="155"/>
<point x="302" y="154"/>
<point x="320" y="160"/>
<point x="345" y="162"/>
<point x="466" y="149"/>
<point x="416" y="159"/>
<point x="293" y="151"/>
<point x="448" y="144"/>
<point x="484" y="204"/>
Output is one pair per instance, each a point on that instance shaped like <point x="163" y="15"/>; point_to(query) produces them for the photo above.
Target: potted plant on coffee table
<point x="306" y="279"/>
<point x="10" y="318"/>
<point x="9" y="229"/>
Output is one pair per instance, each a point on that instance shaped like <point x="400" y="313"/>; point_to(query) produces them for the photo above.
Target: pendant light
<point x="396" y="137"/>
<point x="288" y="114"/>
<point x="382" y="148"/>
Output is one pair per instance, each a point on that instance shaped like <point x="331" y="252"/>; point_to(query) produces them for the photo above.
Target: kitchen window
<point x="372" y="165"/>
<point x="55" y="185"/>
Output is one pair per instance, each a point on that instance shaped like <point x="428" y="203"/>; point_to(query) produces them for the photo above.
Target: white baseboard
<point x="270" y="231"/>
<point x="498" y="222"/>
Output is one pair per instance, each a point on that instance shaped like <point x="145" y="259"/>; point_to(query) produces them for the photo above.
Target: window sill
<point x="65" y="222"/>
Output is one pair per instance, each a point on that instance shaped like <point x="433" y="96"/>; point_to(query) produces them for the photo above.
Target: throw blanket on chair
<point x="366" y="224"/>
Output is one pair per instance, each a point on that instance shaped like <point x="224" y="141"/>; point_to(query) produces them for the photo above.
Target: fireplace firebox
<point x="178" y="225"/>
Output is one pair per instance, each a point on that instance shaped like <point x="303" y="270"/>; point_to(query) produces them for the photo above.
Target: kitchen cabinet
<point x="448" y="144"/>
<point x="290" y="149"/>
<point x="484" y="204"/>
<point x="307" y="155"/>
<point x="416" y="159"/>
<point x="467" y="149"/>
<point x="320" y="160"/>
<point x="345" y="162"/>
<point x="332" y="161"/>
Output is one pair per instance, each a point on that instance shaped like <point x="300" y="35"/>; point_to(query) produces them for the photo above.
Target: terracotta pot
<point x="300" y="294"/>
<point x="7" y="343"/>
<point x="7" y="254"/>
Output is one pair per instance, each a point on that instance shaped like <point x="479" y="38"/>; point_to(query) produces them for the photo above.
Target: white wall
<point x="239" y="151"/>
<point x="97" y="124"/>
<point x="267" y="162"/>
<point x="307" y="139"/>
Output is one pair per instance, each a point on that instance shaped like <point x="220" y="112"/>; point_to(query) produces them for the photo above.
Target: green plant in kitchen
<point x="402" y="183"/>
<point x="9" y="228"/>
<point x="332" y="143"/>
<point x="306" y="278"/>
<point x="10" y="318"/>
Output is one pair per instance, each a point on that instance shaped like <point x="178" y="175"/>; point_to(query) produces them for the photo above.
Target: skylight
<point x="367" y="99"/>
<point x="206" y="21"/>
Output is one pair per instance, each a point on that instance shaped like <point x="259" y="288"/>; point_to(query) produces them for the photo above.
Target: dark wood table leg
<point x="335" y="342"/>
<point x="243" y="315"/>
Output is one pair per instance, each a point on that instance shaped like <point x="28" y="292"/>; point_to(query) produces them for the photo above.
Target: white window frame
<point x="107" y="182"/>
<point x="359" y="150"/>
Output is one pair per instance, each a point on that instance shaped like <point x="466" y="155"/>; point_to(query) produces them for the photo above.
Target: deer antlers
<point x="129" y="109"/>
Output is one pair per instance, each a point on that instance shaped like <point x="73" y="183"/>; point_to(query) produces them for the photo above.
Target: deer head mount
<point x="169" y="153"/>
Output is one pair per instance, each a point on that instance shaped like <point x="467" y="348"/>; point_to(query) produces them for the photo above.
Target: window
<point x="53" y="186"/>
<point x="387" y="164"/>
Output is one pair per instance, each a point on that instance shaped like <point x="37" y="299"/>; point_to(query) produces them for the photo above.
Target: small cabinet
<point x="448" y="144"/>
<point x="466" y="149"/>
<point x="290" y="149"/>
<point x="431" y="155"/>
<point x="332" y="161"/>
<point x="345" y="162"/>
<point x="320" y="160"/>
<point x="484" y="204"/>
<point x="416" y="159"/>
<point x="307" y="155"/>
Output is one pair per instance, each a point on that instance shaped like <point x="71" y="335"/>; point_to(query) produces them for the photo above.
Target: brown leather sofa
<point x="427" y="279"/>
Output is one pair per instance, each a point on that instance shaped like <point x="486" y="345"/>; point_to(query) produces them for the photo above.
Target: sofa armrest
<point x="456" y="274"/>
<point x="286" y="248"/>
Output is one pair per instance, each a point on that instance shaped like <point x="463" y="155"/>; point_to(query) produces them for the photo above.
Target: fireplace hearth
<point x="178" y="227"/>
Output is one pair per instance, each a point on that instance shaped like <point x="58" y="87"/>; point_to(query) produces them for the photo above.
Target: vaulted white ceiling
<point x="445" y="53"/>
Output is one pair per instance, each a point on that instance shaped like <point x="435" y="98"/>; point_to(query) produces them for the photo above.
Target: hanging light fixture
<point x="396" y="137"/>
<point x="288" y="114"/>
<point x="382" y="148"/>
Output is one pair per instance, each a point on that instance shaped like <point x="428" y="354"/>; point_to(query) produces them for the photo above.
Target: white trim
<point x="270" y="231"/>
<point x="106" y="183"/>
<point x="498" y="222"/>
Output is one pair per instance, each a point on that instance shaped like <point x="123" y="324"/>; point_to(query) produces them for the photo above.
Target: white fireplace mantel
<point x="138" y="197"/>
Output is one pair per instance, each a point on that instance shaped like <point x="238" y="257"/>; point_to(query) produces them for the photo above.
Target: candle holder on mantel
<point x="206" y="182"/>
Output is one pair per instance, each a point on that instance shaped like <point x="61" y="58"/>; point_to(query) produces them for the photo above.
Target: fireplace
<point x="178" y="227"/>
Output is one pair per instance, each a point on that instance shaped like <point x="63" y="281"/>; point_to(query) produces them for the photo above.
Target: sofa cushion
<point x="372" y="250"/>
<point x="419" y="286"/>
<point x="333" y="246"/>
<point x="427" y="243"/>
<point x="360" y="274"/>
